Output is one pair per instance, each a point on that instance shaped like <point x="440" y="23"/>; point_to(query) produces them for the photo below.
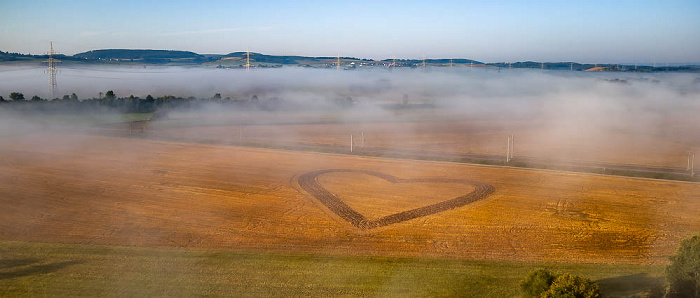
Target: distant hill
<point x="146" y="56"/>
<point x="443" y="61"/>
<point x="285" y="60"/>
<point x="4" y="56"/>
<point x="238" y="60"/>
<point x="262" y="58"/>
<point x="17" y="57"/>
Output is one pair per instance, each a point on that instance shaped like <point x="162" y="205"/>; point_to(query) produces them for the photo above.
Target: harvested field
<point x="88" y="189"/>
<point x="535" y="138"/>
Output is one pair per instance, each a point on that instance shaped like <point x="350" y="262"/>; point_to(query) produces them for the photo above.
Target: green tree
<point x="572" y="286"/>
<point x="110" y="95"/>
<point x="36" y="98"/>
<point x="66" y="97"/>
<point x="683" y="274"/>
<point x="73" y="97"/>
<point x="16" y="96"/>
<point x="537" y="282"/>
<point x="2" y="99"/>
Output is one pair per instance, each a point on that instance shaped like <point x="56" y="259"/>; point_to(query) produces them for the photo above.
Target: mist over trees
<point x="134" y="104"/>
<point x="633" y="102"/>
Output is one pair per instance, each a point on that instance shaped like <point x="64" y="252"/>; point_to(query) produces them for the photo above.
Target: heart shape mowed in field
<point x="309" y="183"/>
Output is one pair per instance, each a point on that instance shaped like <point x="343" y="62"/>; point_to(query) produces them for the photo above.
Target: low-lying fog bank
<point x="545" y="108"/>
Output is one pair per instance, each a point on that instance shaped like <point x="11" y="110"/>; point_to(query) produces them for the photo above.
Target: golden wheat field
<point x="88" y="189"/>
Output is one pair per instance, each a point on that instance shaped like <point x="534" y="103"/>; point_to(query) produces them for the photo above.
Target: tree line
<point x="131" y="104"/>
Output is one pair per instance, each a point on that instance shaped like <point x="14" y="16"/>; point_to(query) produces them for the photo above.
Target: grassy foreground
<point x="40" y="269"/>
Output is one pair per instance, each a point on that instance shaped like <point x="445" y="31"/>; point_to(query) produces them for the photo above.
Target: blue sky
<point x="490" y="31"/>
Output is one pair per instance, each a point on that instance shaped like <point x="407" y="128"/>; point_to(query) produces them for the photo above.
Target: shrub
<point x="537" y="282"/>
<point x="683" y="275"/>
<point x="542" y="283"/>
<point x="567" y="285"/>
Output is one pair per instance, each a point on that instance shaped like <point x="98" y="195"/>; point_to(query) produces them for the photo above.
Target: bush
<point x="542" y="283"/>
<point x="567" y="285"/>
<point x="16" y="96"/>
<point x="537" y="282"/>
<point x="683" y="275"/>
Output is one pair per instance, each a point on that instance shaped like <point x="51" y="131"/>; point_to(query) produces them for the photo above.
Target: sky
<point x="489" y="31"/>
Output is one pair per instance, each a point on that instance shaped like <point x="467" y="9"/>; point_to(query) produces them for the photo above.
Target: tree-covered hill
<point x="137" y="54"/>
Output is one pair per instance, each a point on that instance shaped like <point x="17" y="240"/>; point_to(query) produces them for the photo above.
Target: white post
<point x="687" y="167"/>
<point x="350" y="143"/>
<point x="512" y="146"/>
<point x="362" y="141"/>
<point x="240" y="133"/>
<point x="508" y="151"/>
<point x="692" y="166"/>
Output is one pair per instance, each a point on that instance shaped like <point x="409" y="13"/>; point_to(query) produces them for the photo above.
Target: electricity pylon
<point x="52" y="70"/>
<point x="247" y="60"/>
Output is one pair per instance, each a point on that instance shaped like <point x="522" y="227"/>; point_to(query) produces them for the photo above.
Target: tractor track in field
<point x="308" y="182"/>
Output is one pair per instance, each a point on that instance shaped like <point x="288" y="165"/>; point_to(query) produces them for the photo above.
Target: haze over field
<point x="556" y="114"/>
<point x="643" y="101"/>
<point x="439" y="85"/>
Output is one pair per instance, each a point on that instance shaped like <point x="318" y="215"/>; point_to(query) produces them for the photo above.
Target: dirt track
<point x="308" y="182"/>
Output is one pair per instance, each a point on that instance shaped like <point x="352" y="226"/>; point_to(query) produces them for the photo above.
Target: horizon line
<point x="647" y="63"/>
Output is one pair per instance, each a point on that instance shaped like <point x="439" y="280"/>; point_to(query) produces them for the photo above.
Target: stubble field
<point x="86" y="189"/>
